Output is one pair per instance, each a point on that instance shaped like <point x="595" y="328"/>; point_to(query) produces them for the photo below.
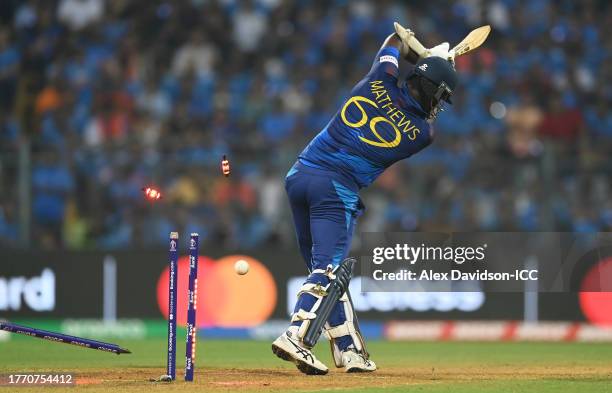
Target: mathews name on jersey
<point x="378" y="125"/>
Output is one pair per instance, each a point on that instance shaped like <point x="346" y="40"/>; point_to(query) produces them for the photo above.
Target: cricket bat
<point x="472" y="41"/>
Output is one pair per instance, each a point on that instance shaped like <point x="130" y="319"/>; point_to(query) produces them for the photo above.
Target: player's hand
<point x="442" y="51"/>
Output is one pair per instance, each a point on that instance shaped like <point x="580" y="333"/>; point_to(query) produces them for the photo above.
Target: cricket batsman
<point x="384" y="120"/>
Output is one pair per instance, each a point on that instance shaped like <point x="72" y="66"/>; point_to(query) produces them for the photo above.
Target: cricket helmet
<point x="437" y="80"/>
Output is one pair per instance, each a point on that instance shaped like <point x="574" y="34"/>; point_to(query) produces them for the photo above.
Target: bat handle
<point x="416" y="46"/>
<point x="409" y="39"/>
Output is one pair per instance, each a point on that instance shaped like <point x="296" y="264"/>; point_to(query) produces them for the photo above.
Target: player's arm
<point x="386" y="62"/>
<point x="398" y="45"/>
<point x="407" y="53"/>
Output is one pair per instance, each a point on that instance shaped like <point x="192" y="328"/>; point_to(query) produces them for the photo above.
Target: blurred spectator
<point x="26" y="15"/>
<point x="249" y="26"/>
<point x="599" y="120"/>
<point x="48" y="99"/>
<point x="197" y="56"/>
<point x="561" y="122"/>
<point x="77" y="14"/>
<point x="51" y="184"/>
<point x="523" y="120"/>
<point x="75" y="229"/>
<point x="9" y="67"/>
<point x="8" y="224"/>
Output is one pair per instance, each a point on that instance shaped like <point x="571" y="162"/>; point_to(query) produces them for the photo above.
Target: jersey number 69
<point x="380" y="142"/>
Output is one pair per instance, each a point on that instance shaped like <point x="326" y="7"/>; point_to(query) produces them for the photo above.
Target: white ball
<point x="241" y="266"/>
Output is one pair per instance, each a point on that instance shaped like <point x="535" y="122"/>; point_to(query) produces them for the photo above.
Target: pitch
<point x="249" y="366"/>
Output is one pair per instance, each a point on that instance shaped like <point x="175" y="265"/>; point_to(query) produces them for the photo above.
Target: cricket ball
<point x="241" y="266"/>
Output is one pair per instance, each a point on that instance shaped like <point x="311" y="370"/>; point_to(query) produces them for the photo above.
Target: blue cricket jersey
<point x="377" y="126"/>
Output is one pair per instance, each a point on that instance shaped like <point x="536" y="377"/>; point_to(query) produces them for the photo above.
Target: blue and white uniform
<point x="378" y="125"/>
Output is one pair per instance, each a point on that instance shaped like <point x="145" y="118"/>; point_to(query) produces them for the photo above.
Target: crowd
<point x="113" y="95"/>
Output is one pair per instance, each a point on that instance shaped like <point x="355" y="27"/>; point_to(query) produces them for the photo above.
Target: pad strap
<point x="319" y="292"/>
<point x="302" y="315"/>
<point x="347" y="328"/>
<point x="316" y="290"/>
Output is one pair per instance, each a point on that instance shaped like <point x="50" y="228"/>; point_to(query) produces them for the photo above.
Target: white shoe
<point x="354" y="362"/>
<point x="293" y="351"/>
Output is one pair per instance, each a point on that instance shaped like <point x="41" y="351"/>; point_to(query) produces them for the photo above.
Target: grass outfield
<point x="249" y="366"/>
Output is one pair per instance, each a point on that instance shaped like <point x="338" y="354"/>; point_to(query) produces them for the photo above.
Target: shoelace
<point x="365" y="360"/>
<point x="305" y="353"/>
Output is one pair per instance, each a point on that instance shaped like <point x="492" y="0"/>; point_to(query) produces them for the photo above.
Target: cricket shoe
<point x="293" y="351"/>
<point x="355" y="362"/>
